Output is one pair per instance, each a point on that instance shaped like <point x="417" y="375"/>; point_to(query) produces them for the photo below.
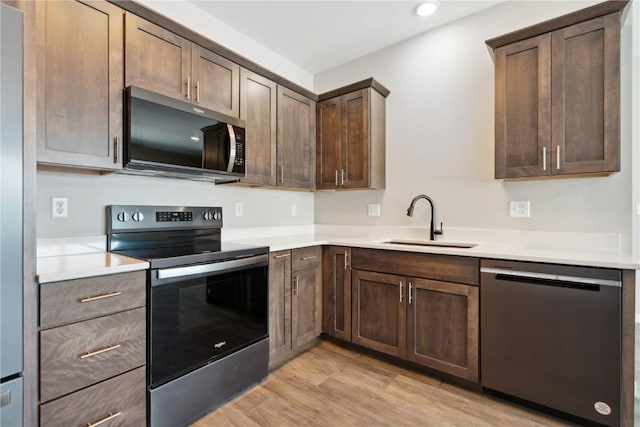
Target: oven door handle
<point x="257" y="261"/>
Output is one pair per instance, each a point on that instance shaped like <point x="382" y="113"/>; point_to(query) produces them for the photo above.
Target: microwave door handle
<point x="232" y="148"/>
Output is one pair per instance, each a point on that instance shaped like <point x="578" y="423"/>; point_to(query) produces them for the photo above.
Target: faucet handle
<point x="438" y="232"/>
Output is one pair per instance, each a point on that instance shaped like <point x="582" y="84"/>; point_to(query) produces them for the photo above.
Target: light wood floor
<point x="332" y="386"/>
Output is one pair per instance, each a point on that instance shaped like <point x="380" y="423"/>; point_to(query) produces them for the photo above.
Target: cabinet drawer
<point x="82" y="299"/>
<point x="447" y="268"/>
<point x="122" y="398"/>
<point x="81" y="354"/>
<point x="306" y="257"/>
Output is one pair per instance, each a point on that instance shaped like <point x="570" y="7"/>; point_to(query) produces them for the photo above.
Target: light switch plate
<point x="294" y="209"/>
<point x="239" y="209"/>
<point x="373" y="209"/>
<point x="520" y="209"/>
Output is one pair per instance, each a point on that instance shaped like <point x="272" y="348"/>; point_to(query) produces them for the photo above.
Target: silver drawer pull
<point x="307" y="258"/>
<point x="103" y="350"/>
<point x="105" y="419"/>
<point x="99" y="297"/>
<point x="281" y="256"/>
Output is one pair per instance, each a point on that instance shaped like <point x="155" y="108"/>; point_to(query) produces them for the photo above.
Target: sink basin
<point x="430" y="243"/>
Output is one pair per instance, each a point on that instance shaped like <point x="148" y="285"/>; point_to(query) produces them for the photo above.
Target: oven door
<point x="201" y="313"/>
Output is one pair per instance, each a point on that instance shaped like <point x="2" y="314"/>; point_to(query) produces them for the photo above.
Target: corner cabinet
<point x="163" y="62"/>
<point x="350" y="137"/>
<point x="295" y="301"/>
<point x="296" y="145"/>
<point x="79" y="68"/>
<point x="557" y="96"/>
<point x="419" y="307"/>
<point x="336" y="292"/>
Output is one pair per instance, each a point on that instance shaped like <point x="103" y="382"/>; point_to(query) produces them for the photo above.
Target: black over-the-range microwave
<point x="168" y="137"/>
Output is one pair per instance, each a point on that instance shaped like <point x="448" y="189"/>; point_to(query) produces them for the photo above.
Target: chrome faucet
<point x="432" y="230"/>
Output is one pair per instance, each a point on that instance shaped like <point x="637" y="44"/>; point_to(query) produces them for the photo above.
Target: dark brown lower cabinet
<point x="295" y="301"/>
<point x="442" y="327"/>
<point x="420" y="307"/>
<point x="336" y="292"/>
<point x="379" y="312"/>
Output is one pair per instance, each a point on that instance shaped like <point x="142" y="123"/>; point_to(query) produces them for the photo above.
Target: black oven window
<point x="197" y="321"/>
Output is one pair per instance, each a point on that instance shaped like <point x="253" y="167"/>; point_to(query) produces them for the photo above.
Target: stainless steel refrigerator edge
<point x="11" y="219"/>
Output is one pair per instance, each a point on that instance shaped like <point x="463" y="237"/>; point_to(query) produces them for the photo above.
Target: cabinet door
<point x="355" y="140"/>
<point x="215" y="81"/>
<point x="279" y="305"/>
<point x="523" y="106"/>
<point x="379" y="312"/>
<point x="306" y="303"/>
<point x="336" y="293"/>
<point x="442" y="329"/>
<point x="586" y="97"/>
<point x="328" y="140"/>
<point x="258" y="97"/>
<point x="296" y="140"/>
<point x="157" y="59"/>
<point x="80" y="81"/>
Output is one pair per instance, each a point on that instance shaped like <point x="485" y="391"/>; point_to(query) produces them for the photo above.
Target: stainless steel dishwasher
<point x="551" y="335"/>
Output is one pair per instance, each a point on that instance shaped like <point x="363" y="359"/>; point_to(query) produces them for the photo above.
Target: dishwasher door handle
<point x="549" y="279"/>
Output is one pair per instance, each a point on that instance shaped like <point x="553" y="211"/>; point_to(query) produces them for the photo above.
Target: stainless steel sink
<point x="431" y="243"/>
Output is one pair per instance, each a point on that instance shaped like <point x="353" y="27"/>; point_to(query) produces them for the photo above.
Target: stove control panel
<point x="133" y="218"/>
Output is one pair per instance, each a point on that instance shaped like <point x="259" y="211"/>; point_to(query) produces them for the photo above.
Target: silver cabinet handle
<point x="336" y="177"/>
<point x="295" y="286"/>
<point x="401" y="291"/>
<point x="410" y="292"/>
<point x="105" y="419"/>
<point x="188" y="84"/>
<point x="558" y="157"/>
<point x="281" y="174"/>
<point x="307" y="258"/>
<point x="97" y="352"/>
<point x="197" y="91"/>
<point x="342" y="177"/>
<point x="544" y="158"/>
<point x="115" y="149"/>
<point x="346" y="260"/>
<point x="99" y="297"/>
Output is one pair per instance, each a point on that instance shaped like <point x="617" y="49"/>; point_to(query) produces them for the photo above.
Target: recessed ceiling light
<point x="427" y="8"/>
<point x="195" y="138"/>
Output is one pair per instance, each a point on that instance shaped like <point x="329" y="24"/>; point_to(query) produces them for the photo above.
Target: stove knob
<point x="208" y="216"/>
<point x="217" y="215"/>
<point x="137" y="216"/>
<point x="123" y="217"/>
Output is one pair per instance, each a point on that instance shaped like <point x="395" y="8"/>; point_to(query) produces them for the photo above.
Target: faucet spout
<point x="432" y="230"/>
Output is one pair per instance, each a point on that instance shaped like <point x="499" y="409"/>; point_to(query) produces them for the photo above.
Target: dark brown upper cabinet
<point x="258" y="100"/>
<point x="296" y="145"/>
<point x="350" y="137"/>
<point x="557" y="96"/>
<point x="79" y="79"/>
<point x="161" y="61"/>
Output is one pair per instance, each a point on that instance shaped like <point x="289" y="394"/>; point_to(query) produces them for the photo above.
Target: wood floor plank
<point x="331" y="386"/>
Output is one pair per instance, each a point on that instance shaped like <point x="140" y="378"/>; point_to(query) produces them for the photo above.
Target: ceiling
<point x="318" y="35"/>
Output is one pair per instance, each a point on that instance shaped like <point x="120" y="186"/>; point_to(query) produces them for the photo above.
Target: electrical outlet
<point x="373" y="209"/>
<point x="294" y="209"/>
<point x="239" y="209"/>
<point x="520" y="209"/>
<point x="59" y="207"/>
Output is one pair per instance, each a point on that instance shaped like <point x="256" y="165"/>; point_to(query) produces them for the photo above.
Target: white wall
<point x="440" y="137"/>
<point x="192" y="17"/>
<point x="89" y="193"/>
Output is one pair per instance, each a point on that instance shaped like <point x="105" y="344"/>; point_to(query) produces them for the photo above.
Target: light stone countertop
<point x="77" y="258"/>
<point x="73" y="258"/>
